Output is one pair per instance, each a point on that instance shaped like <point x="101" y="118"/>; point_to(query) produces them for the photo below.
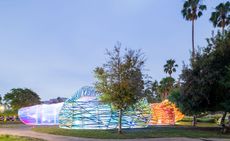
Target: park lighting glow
<point x="165" y="113"/>
<point x="85" y="111"/>
<point x="44" y="114"/>
<point x="2" y="108"/>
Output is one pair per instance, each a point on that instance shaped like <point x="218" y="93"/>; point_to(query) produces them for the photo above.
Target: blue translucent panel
<point x="85" y="111"/>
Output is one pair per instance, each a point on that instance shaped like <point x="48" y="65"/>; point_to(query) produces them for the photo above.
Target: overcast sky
<point x="52" y="46"/>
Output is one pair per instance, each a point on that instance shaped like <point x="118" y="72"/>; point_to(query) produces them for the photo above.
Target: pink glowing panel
<point x="44" y="114"/>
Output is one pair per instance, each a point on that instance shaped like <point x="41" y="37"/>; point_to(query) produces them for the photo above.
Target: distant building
<point x="55" y="100"/>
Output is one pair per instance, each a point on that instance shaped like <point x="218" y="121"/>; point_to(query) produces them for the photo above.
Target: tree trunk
<point x="120" y="121"/>
<point x="223" y="119"/>
<point x="229" y="121"/>
<point x="193" y="47"/>
<point x="222" y="123"/>
<point x="194" y="121"/>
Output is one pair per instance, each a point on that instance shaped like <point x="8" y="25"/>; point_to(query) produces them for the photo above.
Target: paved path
<point x="26" y="131"/>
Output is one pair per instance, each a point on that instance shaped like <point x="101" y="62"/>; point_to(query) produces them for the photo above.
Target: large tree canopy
<point x="120" y="80"/>
<point x="18" y="98"/>
<point x="206" y="83"/>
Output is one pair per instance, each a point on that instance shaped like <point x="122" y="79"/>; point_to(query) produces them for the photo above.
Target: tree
<point x="221" y="16"/>
<point x="205" y="84"/>
<point x="170" y="67"/>
<point x="151" y="92"/>
<point x="165" y="87"/>
<point x="218" y="60"/>
<point x="192" y="9"/>
<point x="120" y="80"/>
<point x="191" y="100"/>
<point x="18" y="98"/>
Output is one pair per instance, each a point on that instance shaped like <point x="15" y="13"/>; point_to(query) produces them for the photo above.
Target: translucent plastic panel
<point x="85" y="111"/>
<point x="165" y="113"/>
<point x="44" y="114"/>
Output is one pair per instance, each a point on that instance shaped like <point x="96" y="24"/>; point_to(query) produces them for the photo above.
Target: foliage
<point x="174" y="95"/>
<point x="206" y="84"/>
<point x="151" y="92"/>
<point x="192" y="9"/>
<point x="9" y="113"/>
<point x="18" y="98"/>
<point x="165" y="87"/>
<point x="120" y="80"/>
<point x="170" y="66"/>
<point x="221" y="16"/>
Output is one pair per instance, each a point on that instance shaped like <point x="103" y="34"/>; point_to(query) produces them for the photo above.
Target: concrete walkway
<point x="26" y="131"/>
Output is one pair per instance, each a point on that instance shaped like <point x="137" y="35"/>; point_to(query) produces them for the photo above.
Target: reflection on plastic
<point x="44" y="114"/>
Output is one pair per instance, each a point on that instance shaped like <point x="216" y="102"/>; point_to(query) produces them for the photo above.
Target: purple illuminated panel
<point x="44" y="114"/>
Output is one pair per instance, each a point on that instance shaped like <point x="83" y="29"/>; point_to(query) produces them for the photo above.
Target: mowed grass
<point x="199" y="124"/>
<point x="17" y="138"/>
<point x="10" y="125"/>
<point x="151" y="132"/>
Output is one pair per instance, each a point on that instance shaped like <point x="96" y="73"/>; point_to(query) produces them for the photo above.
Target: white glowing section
<point x="86" y="98"/>
<point x="44" y="114"/>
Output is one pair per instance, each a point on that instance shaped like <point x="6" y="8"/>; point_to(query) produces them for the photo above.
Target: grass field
<point x="199" y="124"/>
<point x="10" y="125"/>
<point x="17" y="138"/>
<point x="151" y="132"/>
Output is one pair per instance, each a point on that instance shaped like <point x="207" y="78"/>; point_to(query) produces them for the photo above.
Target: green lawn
<point x="10" y="125"/>
<point x="199" y="124"/>
<point x="17" y="138"/>
<point x="151" y="132"/>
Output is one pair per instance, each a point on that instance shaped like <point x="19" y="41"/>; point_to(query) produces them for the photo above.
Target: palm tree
<point x="170" y="67"/>
<point x="221" y="16"/>
<point x="165" y="87"/>
<point x="192" y="9"/>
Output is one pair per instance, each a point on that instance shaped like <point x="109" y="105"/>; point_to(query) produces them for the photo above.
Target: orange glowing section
<point x="165" y="113"/>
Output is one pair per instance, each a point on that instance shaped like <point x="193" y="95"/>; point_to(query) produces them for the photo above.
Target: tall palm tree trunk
<point x="193" y="58"/>
<point x="223" y="25"/>
<point x="193" y="47"/>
